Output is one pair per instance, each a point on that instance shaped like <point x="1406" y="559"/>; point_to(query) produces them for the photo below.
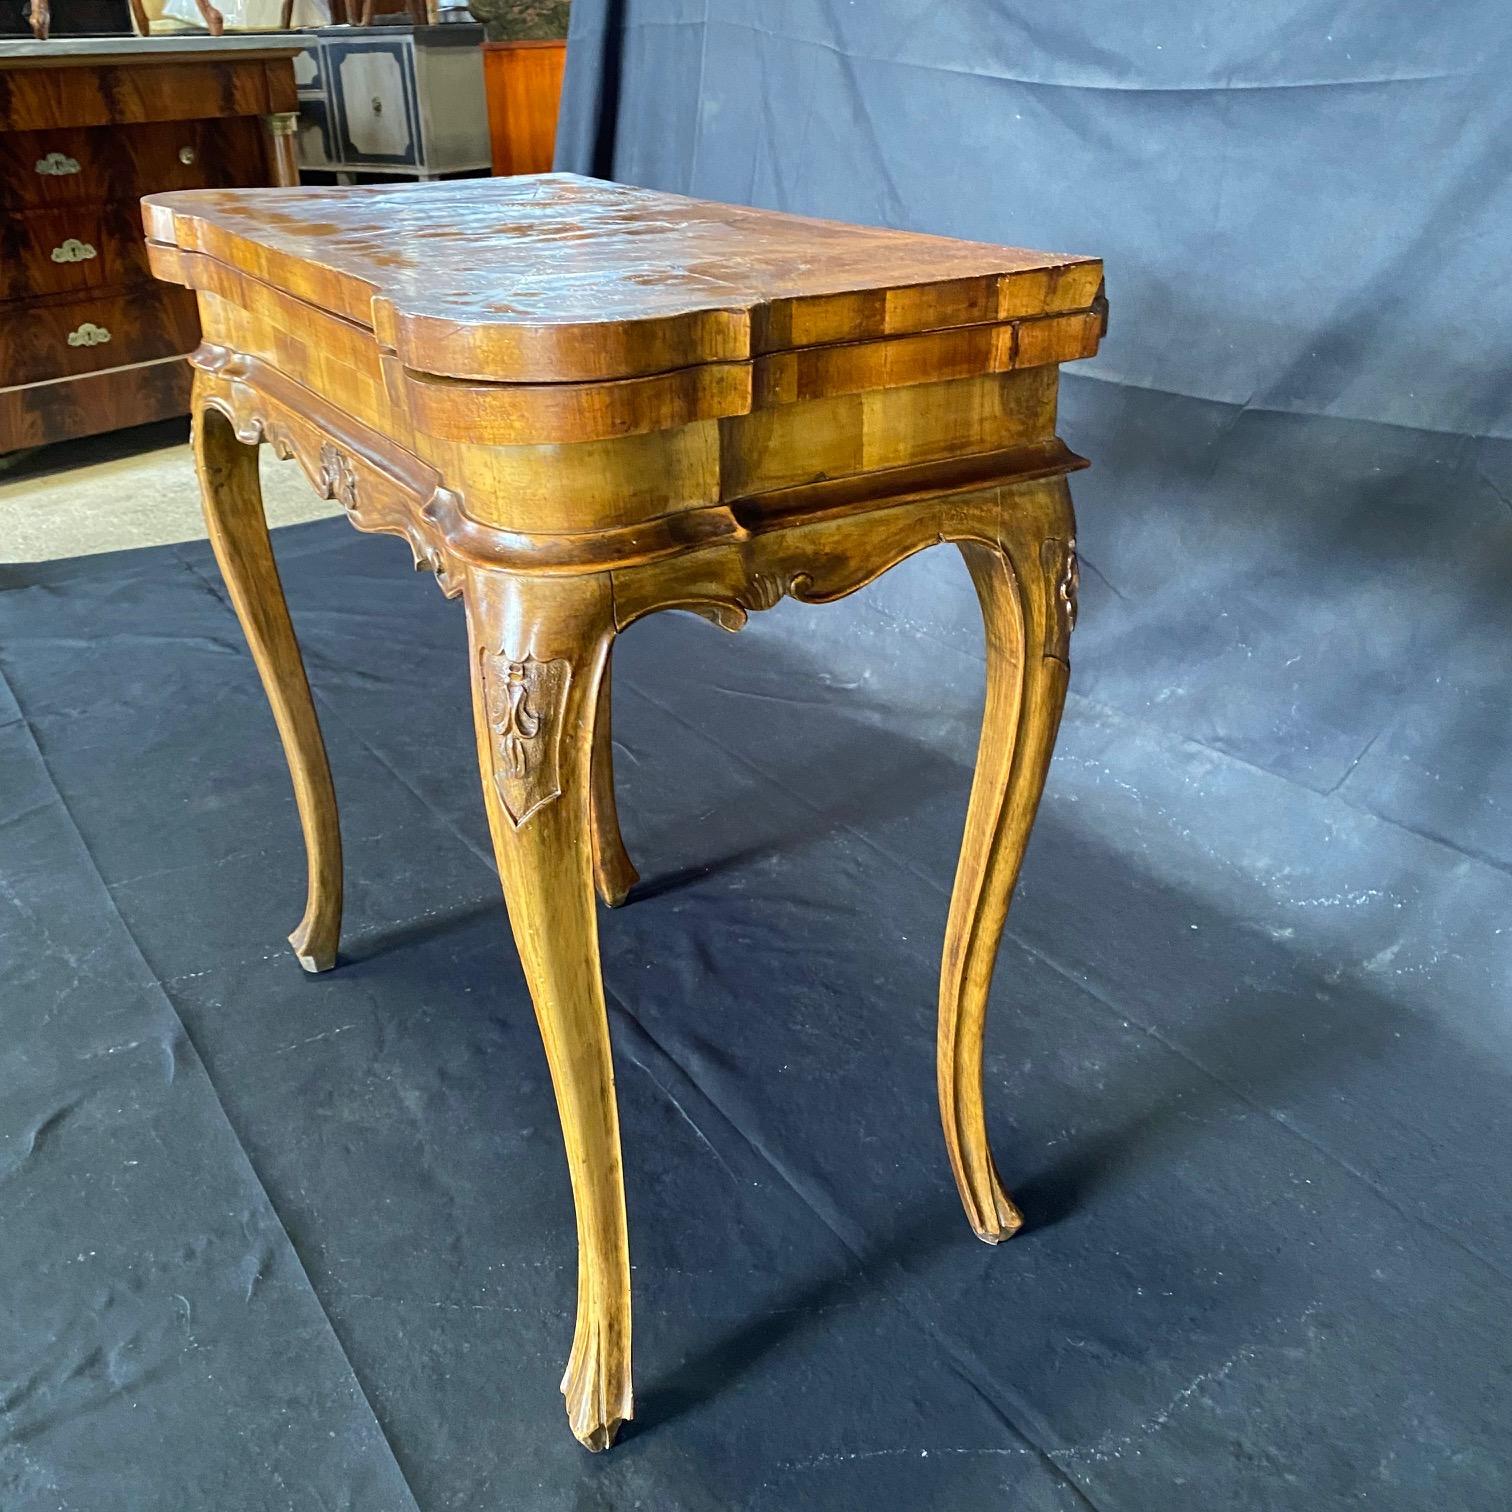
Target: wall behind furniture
<point x="1297" y="531"/>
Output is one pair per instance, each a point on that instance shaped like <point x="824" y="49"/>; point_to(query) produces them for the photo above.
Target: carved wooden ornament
<point x="337" y="479"/>
<point x="525" y="698"/>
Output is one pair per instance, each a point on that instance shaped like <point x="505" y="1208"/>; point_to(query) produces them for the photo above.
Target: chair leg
<point x="538" y="648"/>
<point x="1026" y="607"/>
<point x="613" y="872"/>
<point x="232" y="499"/>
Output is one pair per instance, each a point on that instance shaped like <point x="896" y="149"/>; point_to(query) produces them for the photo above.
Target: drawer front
<point x="75" y="249"/>
<point x="141" y="88"/>
<point x="39" y="169"/>
<point x="377" y="112"/>
<point x="93" y="402"/>
<point x="55" y="338"/>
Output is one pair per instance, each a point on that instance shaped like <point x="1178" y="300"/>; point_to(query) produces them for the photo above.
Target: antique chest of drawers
<point x="89" y="341"/>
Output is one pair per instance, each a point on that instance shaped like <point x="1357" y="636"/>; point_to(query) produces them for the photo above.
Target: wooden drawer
<point x="53" y="338"/>
<point x="93" y="402"/>
<point x="143" y="88"/>
<point x="75" y="249"/>
<point x="67" y="167"/>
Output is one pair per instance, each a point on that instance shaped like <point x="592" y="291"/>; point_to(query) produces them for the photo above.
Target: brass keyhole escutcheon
<point x="187" y="155"/>
<point x="72" y="250"/>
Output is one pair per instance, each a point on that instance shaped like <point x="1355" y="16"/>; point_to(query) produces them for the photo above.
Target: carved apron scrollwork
<point x="338" y="479"/>
<point x="525" y="699"/>
<point x="763" y="591"/>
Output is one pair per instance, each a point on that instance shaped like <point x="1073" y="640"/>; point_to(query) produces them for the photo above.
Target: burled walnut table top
<point x="557" y="278"/>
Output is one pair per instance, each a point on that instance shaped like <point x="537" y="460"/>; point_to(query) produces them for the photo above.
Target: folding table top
<point x="554" y="278"/>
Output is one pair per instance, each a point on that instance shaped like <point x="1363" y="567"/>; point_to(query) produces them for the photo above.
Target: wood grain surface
<point x="523" y="83"/>
<point x="39" y="414"/>
<point x="554" y="278"/>
<point x="77" y="92"/>
<point x="81" y="140"/>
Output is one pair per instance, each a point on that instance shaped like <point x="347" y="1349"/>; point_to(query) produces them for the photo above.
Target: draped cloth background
<point x="1298" y="526"/>
<point x="283" y="1242"/>
<point x="1291" y="700"/>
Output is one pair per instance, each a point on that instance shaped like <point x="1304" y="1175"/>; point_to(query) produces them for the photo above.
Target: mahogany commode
<point x="581" y="403"/>
<point x="88" y="339"/>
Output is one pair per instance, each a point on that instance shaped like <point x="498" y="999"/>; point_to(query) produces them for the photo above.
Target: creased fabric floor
<point x="279" y="1242"/>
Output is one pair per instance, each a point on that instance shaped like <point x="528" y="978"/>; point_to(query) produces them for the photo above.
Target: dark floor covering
<point x="273" y="1242"/>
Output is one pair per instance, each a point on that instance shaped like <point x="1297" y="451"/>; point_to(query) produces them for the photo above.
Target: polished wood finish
<point x="238" y="533"/>
<point x="614" y="873"/>
<point x="582" y="403"/>
<point x="523" y="81"/>
<point x="44" y="339"/>
<point x="60" y="92"/>
<point x="282" y="128"/>
<point x="92" y="403"/>
<point x="82" y="138"/>
<point x="602" y="284"/>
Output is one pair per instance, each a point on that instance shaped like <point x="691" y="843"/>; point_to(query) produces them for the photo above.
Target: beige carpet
<point x="128" y="488"/>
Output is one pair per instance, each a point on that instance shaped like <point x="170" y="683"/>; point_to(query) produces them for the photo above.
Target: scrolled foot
<point x="1002" y="1221"/>
<point x="614" y="875"/>
<point x="313" y="953"/>
<point x="598" y="1391"/>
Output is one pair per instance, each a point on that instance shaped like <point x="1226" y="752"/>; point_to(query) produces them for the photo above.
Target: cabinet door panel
<point x="376" y="116"/>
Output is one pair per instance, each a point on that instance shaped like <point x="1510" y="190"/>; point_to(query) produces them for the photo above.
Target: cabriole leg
<point x="613" y="873"/>
<point x="232" y="499"/>
<point x="538" y="649"/>
<point x="1027" y="591"/>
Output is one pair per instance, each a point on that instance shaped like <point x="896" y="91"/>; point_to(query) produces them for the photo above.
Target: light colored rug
<point x="128" y="488"/>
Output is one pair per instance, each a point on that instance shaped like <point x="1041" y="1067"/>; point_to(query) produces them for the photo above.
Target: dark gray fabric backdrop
<point x="1296" y="532"/>
<point x="1292" y="700"/>
<point x="277" y="1242"/>
<point x="1304" y="207"/>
